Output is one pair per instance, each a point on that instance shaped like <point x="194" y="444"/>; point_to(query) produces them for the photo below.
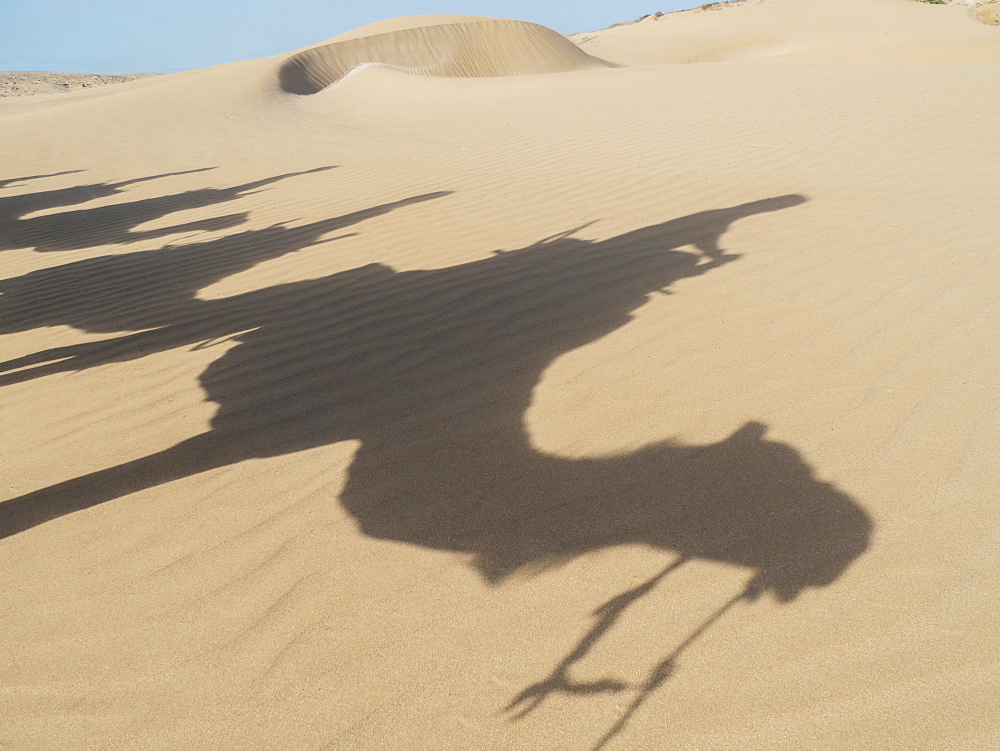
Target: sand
<point x="29" y="83"/>
<point x="571" y="397"/>
<point x="796" y="31"/>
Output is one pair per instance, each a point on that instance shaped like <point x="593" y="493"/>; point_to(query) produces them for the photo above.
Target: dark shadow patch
<point x="14" y="181"/>
<point x="114" y="224"/>
<point x="155" y="288"/>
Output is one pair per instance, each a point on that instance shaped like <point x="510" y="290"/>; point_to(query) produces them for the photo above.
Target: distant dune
<point x="849" y="31"/>
<point x="453" y="384"/>
<point x="26" y="83"/>
<point x="479" y="48"/>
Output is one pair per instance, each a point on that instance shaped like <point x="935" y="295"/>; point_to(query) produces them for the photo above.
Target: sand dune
<point x="467" y="49"/>
<point x="498" y="397"/>
<point x="846" y="31"/>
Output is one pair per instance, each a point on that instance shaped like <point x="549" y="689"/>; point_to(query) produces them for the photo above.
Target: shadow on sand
<point x="432" y="371"/>
<point x="14" y="181"/>
<point x="116" y="223"/>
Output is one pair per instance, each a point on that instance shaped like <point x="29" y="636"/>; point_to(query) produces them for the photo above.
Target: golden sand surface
<point x="506" y="392"/>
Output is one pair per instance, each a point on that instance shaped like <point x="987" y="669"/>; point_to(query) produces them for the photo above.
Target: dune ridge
<point x="848" y="31"/>
<point x="470" y="49"/>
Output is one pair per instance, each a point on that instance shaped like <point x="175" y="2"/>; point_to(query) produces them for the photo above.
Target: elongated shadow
<point x="432" y="371"/>
<point x="20" y="205"/>
<point x="157" y="288"/>
<point x="116" y="223"/>
<point x="15" y="181"/>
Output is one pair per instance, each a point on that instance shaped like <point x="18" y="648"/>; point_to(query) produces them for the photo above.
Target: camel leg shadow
<point x="607" y="616"/>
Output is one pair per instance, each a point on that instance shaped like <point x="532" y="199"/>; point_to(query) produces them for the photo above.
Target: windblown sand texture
<point x="651" y="406"/>
<point x="845" y="31"/>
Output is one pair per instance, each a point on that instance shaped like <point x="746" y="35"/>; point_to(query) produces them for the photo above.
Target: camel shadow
<point x="157" y="288"/>
<point x="7" y="182"/>
<point x="432" y="372"/>
<point x="114" y="224"/>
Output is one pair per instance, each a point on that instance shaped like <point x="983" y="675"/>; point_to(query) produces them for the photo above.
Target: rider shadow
<point x="433" y="371"/>
<point x="114" y="224"/>
<point x="156" y="288"/>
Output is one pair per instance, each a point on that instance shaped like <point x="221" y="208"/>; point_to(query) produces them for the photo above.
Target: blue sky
<point x="160" y="36"/>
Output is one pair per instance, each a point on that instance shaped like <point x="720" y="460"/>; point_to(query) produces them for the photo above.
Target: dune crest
<point x="469" y="49"/>
<point x="848" y="31"/>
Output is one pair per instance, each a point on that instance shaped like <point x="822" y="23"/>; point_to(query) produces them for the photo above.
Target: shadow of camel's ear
<point x="751" y="432"/>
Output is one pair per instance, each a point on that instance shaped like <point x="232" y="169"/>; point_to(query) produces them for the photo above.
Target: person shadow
<point x="432" y="372"/>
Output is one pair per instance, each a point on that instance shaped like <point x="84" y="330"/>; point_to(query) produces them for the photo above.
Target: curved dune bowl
<point x="477" y="49"/>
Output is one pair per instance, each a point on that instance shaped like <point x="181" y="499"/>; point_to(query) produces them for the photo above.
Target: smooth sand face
<point x="846" y="31"/>
<point x="645" y="407"/>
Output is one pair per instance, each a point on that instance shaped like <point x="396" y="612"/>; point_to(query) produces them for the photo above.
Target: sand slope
<point x="846" y="31"/>
<point x="635" y="407"/>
